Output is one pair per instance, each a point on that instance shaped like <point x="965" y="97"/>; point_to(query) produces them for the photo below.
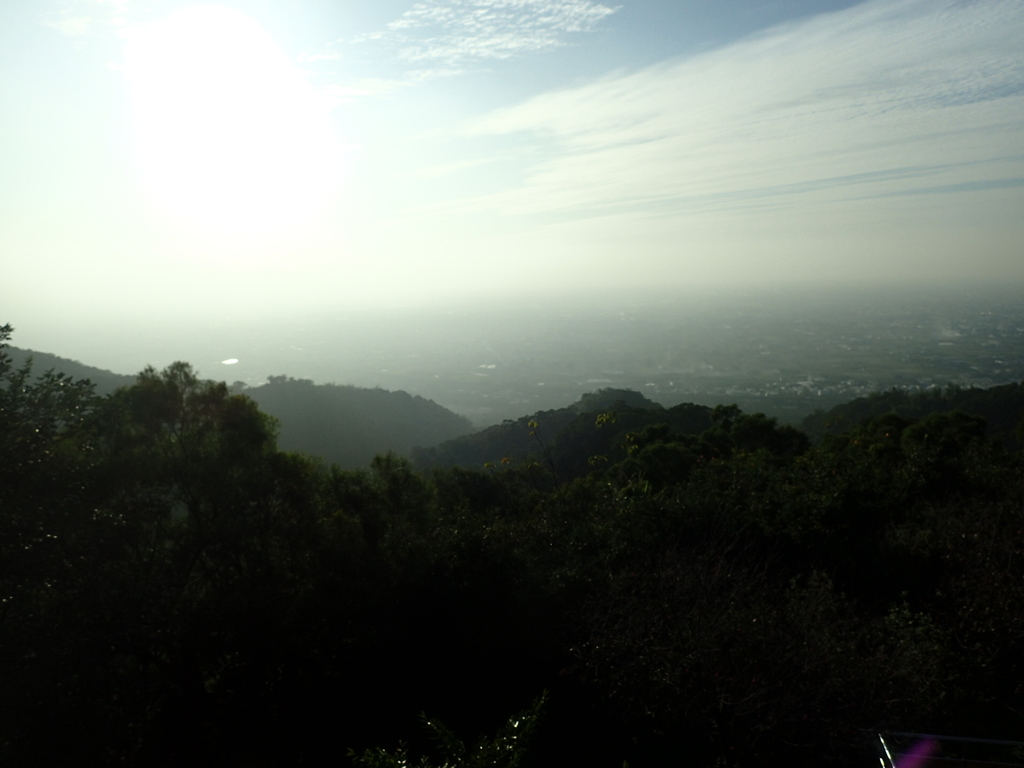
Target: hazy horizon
<point x="783" y="352"/>
<point x="149" y="341"/>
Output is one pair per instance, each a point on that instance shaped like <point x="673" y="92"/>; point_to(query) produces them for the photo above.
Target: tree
<point x="47" y="461"/>
<point x="506" y="749"/>
<point x="149" y="546"/>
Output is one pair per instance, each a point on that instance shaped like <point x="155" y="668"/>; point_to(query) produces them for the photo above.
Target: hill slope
<point x="345" y="425"/>
<point x="1002" y="408"/>
<point x="349" y="425"/>
<point x="105" y="381"/>
<point x="566" y="438"/>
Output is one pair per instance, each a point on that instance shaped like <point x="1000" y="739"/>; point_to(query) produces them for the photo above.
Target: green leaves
<point x="506" y="749"/>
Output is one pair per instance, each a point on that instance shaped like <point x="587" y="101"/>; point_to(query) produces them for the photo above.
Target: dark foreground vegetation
<point x="174" y="590"/>
<point x="1001" y="407"/>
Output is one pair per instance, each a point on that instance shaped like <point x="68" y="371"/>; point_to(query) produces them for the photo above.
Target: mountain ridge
<point x="341" y="423"/>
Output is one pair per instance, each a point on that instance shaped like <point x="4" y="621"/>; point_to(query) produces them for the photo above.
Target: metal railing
<point x="899" y="749"/>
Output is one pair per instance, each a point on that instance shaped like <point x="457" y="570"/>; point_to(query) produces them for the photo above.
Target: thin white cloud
<point x="77" y="18"/>
<point x="441" y="37"/>
<point x="435" y="171"/>
<point x="880" y="98"/>
<point x="343" y="94"/>
<point x="73" y="26"/>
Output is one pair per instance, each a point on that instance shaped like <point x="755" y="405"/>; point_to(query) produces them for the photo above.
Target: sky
<point x="162" y="159"/>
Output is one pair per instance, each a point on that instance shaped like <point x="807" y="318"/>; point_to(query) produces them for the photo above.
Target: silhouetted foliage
<point x="1001" y="407"/>
<point x="105" y="381"/>
<point x="567" y="440"/>
<point x="690" y="585"/>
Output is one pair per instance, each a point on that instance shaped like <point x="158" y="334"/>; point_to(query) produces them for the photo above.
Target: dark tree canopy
<point x="687" y="585"/>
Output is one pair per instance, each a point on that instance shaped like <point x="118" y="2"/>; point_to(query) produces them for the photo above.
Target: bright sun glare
<point x="227" y="134"/>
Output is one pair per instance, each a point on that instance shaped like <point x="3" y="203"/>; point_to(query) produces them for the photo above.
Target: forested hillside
<point x="344" y="425"/>
<point x="105" y="381"/>
<point x="348" y="425"/>
<point x="565" y="439"/>
<point x="610" y="428"/>
<point x="1002" y="408"/>
<point x="175" y="590"/>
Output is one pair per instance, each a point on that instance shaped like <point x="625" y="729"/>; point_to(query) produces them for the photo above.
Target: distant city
<point x="785" y="354"/>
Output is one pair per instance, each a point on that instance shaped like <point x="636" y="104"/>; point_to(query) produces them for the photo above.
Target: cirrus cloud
<point x="444" y="36"/>
<point x="872" y="99"/>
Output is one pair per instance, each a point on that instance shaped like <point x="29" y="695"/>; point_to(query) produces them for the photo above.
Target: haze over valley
<point x="783" y="352"/>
